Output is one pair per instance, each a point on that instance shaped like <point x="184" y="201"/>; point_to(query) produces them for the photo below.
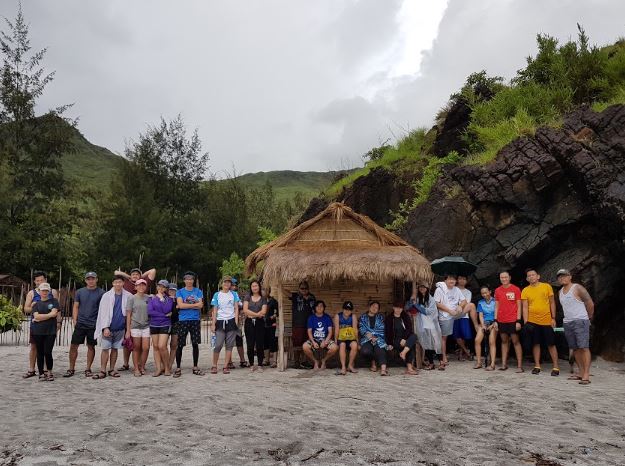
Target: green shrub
<point x="10" y="315"/>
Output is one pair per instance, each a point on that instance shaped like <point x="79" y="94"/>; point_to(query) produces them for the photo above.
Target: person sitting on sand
<point x="508" y="312"/>
<point x="254" y="309"/>
<point x="160" y="308"/>
<point x="487" y="326"/>
<point x="372" y="341"/>
<point x="400" y="336"/>
<point x="43" y="329"/>
<point x="111" y="326"/>
<point x="320" y="345"/>
<point x="462" y="326"/>
<point x="346" y="337"/>
<point x="450" y="303"/>
<point x="138" y="326"/>
<point x="427" y="327"/>
<point x="224" y="322"/>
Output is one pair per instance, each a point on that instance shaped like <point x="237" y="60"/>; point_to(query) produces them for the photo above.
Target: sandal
<point x="384" y="373"/>
<point x="177" y="373"/>
<point x="69" y="373"/>
<point x="88" y="373"/>
<point x="503" y="368"/>
<point x="29" y="374"/>
<point x="226" y="370"/>
<point x="113" y="373"/>
<point x="584" y="382"/>
<point x="490" y="368"/>
<point x="49" y="377"/>
<point x="244" y="364"/>
<point x="43" y="377"/>
<point x="214" y="370"/>
<point x="231" y="365"/>
<point x="99" y="375"/>
<point x="352" y="370"/>
<point x="273" y="365"/>
<point x="441" y="367"/>
<point x="555" y="372"/>
<point x="536" y="370"/>
<point x="574" y="377"/>
<point x="519" y="370"/>
<point x="198" y="372"/>
<point x="478" y="366"/>
<point x="124" y="368"/>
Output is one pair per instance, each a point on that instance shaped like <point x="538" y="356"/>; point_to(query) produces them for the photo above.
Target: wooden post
<point x="280" y="355"/>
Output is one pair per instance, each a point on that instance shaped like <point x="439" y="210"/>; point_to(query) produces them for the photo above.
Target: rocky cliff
<point x="553" y="200"/>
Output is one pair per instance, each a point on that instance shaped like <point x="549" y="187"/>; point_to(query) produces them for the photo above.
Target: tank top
<point x="573" y="308"/>
<point x="346" y="329"/>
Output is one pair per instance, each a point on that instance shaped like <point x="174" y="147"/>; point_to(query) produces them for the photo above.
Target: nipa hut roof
<point x="339" y="244"/>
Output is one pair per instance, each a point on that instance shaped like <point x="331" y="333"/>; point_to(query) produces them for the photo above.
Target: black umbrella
<point x="454" y="265"/>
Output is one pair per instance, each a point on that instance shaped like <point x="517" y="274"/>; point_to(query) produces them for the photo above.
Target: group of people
<point x="415" y="331"/>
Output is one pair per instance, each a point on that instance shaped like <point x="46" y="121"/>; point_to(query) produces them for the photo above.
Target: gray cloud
<point x="281" y="83"/>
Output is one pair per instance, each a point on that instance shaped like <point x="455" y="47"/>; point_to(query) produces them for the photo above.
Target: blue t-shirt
<point x="118" y="321"/>
<point x="488" y="309"/>
<point x="189" y="297"/>
<point x="320" y="326"/>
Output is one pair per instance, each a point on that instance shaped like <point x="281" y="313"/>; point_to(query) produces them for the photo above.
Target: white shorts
<point x="140" y="332"/>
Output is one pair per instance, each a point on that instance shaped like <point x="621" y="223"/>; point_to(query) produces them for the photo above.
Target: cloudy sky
<point x="286" y="84"/>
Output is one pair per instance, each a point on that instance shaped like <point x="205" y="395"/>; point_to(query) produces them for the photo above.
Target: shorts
<point x="462" y="329"/>
<point x="347" y="342"/>
<point x="541" y="334"/>
<point x="173" y="330"/>
<point x="160" y="330"/>
<point x="114" y="341"/>
<point x="189" y="326"/>
<point x="447" y="327"/>
<point x="577" y="333"/>
<point x="140" y="332"/>
<point x="82" y="333"/>
<point x="320" y="352"/>
<point x="299" y="336"/>
<point x="330" y="343"/>
<point x="509" y="328"/>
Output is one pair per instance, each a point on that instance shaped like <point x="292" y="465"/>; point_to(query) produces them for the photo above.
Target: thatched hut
<point x="343" y="256"/>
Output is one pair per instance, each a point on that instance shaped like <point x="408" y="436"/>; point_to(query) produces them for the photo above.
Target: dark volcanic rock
<point x="449" y="134"/>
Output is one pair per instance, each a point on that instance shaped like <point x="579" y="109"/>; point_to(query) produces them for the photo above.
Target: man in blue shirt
<point x="190" y="303"/>
<point x="320" y="341"/>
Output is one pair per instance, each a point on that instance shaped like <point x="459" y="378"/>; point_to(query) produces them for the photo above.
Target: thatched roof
<point x="339" y="244"/>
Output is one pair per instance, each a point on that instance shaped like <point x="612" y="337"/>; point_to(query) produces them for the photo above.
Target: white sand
<point x="460" y="416"/>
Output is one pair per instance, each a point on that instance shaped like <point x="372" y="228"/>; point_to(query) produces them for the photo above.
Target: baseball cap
<point x="135" y="270"/>
<point x="141" y="281"/>
<point x="348" y="305"/>
<point x="172" y="286"/>
<point x="91" y="275"/>
<point x="227" y="278"/>
<point x="234" y="281"/>
<point x="164" y="283"/>
<point x="44" y="287"/>
<point x="188" y="274"/>
<point x="563" y="272"/>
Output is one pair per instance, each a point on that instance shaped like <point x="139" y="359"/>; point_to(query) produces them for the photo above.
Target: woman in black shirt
<point x="43" y="329"/>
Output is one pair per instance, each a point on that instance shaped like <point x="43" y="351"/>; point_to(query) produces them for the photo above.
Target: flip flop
<point x="69" y="373"/>
<point x="489" y="368"/>
<point x="384" y="373"/>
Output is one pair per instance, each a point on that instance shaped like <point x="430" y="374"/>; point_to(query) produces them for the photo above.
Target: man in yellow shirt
<point x="539" y="316"/>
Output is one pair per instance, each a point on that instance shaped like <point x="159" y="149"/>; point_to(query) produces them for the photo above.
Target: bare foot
<point x="352" y="370"/>
<point x="323" y="365"/>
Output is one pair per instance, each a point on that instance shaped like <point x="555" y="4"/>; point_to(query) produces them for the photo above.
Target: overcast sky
<point x="286" y="84"/>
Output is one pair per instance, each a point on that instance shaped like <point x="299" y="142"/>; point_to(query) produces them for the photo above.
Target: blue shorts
<point x="462" y="329"/>
<point x="114" y="341"/>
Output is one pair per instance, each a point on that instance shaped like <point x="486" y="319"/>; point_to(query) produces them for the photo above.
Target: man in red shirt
<point x="508" y="320"/>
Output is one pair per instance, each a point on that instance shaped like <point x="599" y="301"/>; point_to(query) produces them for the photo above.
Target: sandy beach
<point x="459" y="416"/>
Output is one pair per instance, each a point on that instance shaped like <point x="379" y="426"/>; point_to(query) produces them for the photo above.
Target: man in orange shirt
<point x="539" y="315"/>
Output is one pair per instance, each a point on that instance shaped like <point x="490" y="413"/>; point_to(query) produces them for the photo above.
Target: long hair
<point x="260" y="288"/>
<point x="423" y="300"/>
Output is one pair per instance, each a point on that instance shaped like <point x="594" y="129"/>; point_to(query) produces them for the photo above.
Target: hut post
<point x="281" y="362"/>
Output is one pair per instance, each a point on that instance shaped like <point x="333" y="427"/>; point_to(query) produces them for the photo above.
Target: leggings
<point x="196" y="355"/>
<point x="429" y="354"/>
<point x="411" y="343"/>
<point x="255" y="336"/>
<point x="369" y="352"/>
<point x="44" y="344"/>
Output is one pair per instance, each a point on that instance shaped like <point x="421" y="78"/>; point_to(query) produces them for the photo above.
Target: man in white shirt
<point x="450" y="303"/>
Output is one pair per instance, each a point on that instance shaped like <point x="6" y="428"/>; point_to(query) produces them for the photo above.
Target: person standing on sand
<point x="487" y="326"/>
<point x="426" y="324"/>
<point x="43" y="330"/>
<point x="255" y="309"/>
<point x="539" y="316"/>
<point x="129" y="286"/>
<point x="302" y="305"/>
<point x="84" y="316"/>
<point x="346" y="337"/>
<point x="320" y="339"/>
<point x="138" y="326"/>
<point x="401" y="337"/>
<point x="173" y="333"/>
<point x="450" y="303"/>
<point x="240" y="329"/>
<point x="508" y="312"/>
<point x="160" y="308"/>
<point x="111" y="326"/>
<point x="224" y="322"/>
<point x="271" y="324"/>
<point x="32" y="297"/>
<point x="579" y="310"/>
<point x="462" y="326"/>
<point x="190" y="303"/>
<point x="372" y="341"/>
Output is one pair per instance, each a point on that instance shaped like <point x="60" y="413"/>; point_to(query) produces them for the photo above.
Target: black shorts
<point x="541" y="334"/>
<point x="82" y="333"/>
<point x="174" y="328"/>
<point x="160" y="330"/>
<point x="347" y="342"/>
<point x="509" y="328"/>
<point x="192" y="327"/>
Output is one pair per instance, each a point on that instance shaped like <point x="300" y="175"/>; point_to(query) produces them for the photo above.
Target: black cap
<point x="348" y="305"/>
<point x="188" y="273"/>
